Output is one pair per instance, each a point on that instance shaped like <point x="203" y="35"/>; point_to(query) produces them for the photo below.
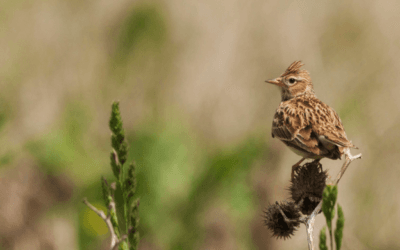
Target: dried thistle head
<point x="307" y="186"/>
<point x="280" y="226"/>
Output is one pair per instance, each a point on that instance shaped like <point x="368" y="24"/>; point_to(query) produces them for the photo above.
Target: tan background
<point x="190" y="79"/>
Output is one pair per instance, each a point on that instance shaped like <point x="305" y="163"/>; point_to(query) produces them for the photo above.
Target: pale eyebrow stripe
<point x="297" y="78"/>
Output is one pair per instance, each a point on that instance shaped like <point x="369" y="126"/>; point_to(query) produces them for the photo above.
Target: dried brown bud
<point x="280" y="226"/>
<point x="307" y="186"/>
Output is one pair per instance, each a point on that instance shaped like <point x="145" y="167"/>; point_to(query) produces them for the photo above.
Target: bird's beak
<point x="276" y="81"/>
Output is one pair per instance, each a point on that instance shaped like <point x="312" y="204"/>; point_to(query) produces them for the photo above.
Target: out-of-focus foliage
<point x="329" y="197"/>
<point x="339" y="228"/>
<point x="197" y="114"/>
<point x="322" y="239"/>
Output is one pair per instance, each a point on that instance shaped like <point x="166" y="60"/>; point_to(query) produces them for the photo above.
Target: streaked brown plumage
<point x="305" y="124"/>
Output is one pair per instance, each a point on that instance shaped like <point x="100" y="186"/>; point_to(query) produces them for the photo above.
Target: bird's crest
<point x="293" y="68"/>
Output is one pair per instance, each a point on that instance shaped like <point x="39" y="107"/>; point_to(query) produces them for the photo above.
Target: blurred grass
<point x="66" y="148"/>
<point x="176" y="178"/>
<point x="220" y="171"/>
<point x="143" y="28"/>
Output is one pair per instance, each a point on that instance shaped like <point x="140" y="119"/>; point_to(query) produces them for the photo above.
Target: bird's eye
<point x="292" y="80"/>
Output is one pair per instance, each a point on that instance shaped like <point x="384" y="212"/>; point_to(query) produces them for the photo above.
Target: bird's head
<point x="294" y="82"/>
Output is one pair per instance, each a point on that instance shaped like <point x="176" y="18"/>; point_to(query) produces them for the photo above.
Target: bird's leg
<point x="296" y="166"/>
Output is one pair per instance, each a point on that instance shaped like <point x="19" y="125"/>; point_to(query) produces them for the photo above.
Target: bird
<point x="309" y="127"/>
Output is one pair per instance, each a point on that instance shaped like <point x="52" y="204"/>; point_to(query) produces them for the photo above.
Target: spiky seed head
<point x="274" y="220"/>
<point x="307" y="186"/>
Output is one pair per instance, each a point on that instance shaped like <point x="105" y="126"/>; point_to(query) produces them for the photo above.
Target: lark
<point x="305" y="124"/>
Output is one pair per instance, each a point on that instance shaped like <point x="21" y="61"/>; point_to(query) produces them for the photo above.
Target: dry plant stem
<point x="349" y="159"/>
<point x="309" y="220"/>
<point x="114" y="239"/>
<point x="119" y="242"/>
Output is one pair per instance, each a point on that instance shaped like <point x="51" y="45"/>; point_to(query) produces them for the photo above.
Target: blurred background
<point x="189" y="76"/>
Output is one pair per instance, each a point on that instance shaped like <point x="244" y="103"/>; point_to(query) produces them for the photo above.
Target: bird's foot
<point x="296" y="166"/>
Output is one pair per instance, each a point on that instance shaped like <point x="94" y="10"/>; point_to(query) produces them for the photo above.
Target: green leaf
<point x="339" y="228"/>
<point x="322" y="240"/>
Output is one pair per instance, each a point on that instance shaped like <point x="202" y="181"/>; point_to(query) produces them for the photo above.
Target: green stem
<point x="124" y="245"/>
<point x="126" y="214"/>
<point x="124" y="198"/>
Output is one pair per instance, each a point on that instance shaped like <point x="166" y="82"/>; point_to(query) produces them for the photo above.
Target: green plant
<point x="322" y="239"/>
<point x="126" y="182"/>
<point x="329" y="198"/>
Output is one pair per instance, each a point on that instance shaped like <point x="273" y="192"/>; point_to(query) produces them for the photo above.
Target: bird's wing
<point x="325" y="123"/>
<point x="292" y="129"/>
<point x="307" y="123"/>
<point x="329" y="126"/>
